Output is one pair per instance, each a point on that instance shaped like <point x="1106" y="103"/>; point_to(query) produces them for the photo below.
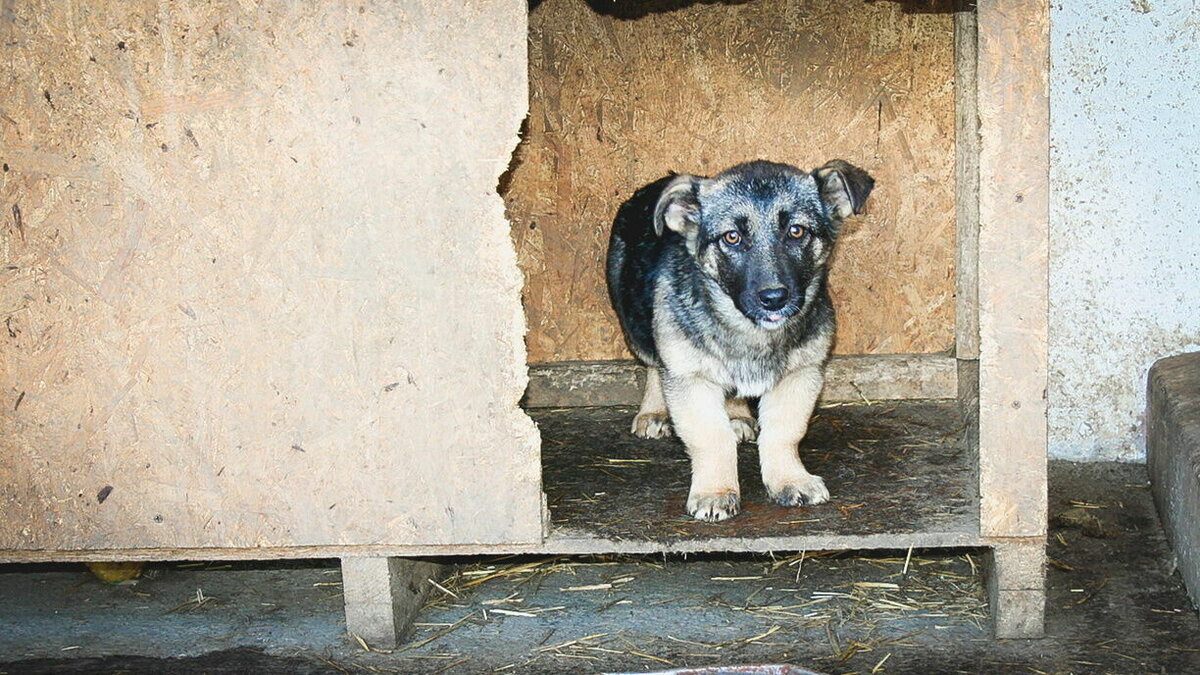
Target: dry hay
<point x="857" y="605"/>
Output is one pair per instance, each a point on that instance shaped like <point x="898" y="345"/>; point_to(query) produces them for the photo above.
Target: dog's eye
<point x="796" y="231"/>
<point x="732" y="237"/>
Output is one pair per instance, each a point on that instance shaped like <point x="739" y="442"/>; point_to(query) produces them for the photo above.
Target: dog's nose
<point x="773" y="298"/>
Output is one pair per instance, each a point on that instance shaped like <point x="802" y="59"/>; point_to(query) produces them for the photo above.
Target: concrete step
<point x="1173" y="458"/>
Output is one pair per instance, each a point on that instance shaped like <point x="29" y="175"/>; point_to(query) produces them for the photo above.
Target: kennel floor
<point x="1115" y="605"/>
<point x="901" y="474"/>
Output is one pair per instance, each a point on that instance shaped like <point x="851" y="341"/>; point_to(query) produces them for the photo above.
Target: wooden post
<point x="966" y="179"/>
<point x="383" y="595"/>
<point x="1013" y="108"/>
<point x="1016" y="582"/>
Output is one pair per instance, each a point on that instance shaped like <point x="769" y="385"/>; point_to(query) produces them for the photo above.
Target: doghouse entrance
<point x="619" y="97"/>
<point x="939" y="287"/>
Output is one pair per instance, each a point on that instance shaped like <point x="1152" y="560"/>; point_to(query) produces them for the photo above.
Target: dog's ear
<point x="844" y="187"/>
<point x="678" y="207"/>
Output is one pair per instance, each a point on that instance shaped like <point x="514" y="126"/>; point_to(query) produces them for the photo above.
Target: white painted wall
<point x="1125" y="214"/>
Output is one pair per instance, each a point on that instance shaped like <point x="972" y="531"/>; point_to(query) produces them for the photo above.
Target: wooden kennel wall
<point x="261" y="300"/>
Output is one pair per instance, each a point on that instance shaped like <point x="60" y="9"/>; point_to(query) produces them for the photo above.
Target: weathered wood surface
<point x="966" y="178"/>
<point x="893" y="468"/>
<point x="383" y="595"/>
<point x="901" y="473"/>
<point x="616" y="103"/>
<point x="1013" y="71"/>
<point x="258" y="288"/>
<point x="556" y="543"/>
<point x="1016" y="583"/>
<point x="848" y="378"/>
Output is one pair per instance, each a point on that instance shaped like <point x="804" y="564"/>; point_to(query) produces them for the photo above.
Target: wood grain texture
<point x="847" y="378"/>
<point x="241" y="306"/>
<point x="901" y="467"/>
<point x="1013" y="264"/>
<point x="382" y="596"/>
<point x="1016" y="583"/>
<point x="556" y="543"/>
<point x="966" y="175"/>
<point x="617" y="103"/>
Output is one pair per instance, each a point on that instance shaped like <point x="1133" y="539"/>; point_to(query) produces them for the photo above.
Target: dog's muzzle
<point x="774" y="307"/>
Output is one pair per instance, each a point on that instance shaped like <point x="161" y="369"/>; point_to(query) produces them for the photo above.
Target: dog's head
<point x="763" y="232"/>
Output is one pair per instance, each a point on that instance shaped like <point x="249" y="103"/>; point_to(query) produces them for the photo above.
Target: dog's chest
<point x="748" y="379"/>
<point x="749" y="370"/>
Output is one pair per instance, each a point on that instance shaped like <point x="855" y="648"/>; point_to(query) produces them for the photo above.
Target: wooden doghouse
<point x="261" y="299"/>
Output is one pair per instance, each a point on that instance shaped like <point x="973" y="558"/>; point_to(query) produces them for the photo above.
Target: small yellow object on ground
<point x="116" y="572"/>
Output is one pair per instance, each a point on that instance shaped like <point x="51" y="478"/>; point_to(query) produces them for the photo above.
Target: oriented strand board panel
<point x="616" y="103"/>
<point x="258" y="288"/>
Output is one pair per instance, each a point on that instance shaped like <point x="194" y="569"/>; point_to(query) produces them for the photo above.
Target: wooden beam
<point x="848" y="378"/>
<point x="561" y="542"/>
<point x="966" y="178"/>
<point x="1013" y="60"/>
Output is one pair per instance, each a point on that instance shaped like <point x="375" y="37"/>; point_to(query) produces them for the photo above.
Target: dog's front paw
<point x="745" y="428"/>
<point x="651" y="425"/>
<point x="801" y="490"/>
<point x="714" y="507"/>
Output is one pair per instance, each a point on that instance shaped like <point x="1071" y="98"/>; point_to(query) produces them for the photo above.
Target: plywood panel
<point x="258" y="289"/>
<point x="616" y="103"/>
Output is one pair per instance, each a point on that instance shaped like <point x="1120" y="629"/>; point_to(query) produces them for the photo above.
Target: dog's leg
<point x="741" y="418"/>
<point x="652" y="420"/>
<point x="698" y="410"/>
<point x="783" y="415"/>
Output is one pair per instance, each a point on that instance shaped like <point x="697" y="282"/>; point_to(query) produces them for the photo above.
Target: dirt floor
<point x="1116" y="606"/>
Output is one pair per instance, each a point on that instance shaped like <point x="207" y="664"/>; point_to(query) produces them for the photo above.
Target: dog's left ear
<point x="844" y="187"/>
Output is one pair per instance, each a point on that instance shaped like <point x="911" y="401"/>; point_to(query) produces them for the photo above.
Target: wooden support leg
<point x="1017" y="587"/>
<point x="383" y="595"/>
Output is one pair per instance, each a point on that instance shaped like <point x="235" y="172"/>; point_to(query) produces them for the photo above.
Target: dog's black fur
<point x="635" y="255"/>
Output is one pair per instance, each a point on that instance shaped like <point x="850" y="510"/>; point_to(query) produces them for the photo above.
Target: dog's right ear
<point x="678" y="207"/>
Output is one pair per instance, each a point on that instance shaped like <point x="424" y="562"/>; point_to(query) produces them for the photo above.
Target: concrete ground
<point x="1116" y="606"/>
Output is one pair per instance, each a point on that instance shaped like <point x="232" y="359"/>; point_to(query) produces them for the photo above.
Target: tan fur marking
<point x="784" y="413"/>
<point x="698" y="408"/>
<point x="652" y="420"/>
<point x="741" y="418"/>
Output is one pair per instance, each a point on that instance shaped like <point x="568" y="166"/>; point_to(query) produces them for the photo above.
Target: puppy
<point x="720" y="287"/>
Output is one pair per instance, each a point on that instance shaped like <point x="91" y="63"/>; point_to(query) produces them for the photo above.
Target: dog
<point x="720" y="286"/>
